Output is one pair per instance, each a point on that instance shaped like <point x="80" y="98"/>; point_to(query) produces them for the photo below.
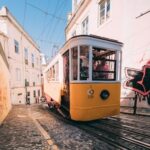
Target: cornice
<point x="7" y="15"/>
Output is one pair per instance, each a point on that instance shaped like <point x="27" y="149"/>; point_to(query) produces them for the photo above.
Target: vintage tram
<point x="83" y="80"/>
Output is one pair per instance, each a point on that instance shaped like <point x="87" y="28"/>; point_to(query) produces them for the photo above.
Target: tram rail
<point x="111" y="134"/>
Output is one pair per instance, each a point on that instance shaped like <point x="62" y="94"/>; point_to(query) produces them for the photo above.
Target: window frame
<point x="107" y="4"/>
<point x="85" y="26"/>
<point x="16" y="46"/>
<point x="26" y="55"/>
<point x="32" y="59"/>
<point x="117" y="77"/>
<point x="18" y="74"/>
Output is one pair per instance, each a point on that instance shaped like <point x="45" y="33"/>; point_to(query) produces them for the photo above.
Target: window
<point x="34" y="93"/>
<point x="16" y="44"/>
<point x="33" y="83"/>
<point x="57" y="71"/>
<point x="104" y="7"/>
<point x="26" y="55"/>
<point x="53" y="72"/>
<point x="37" y="61"/>
<point x="18" y="74"/>
<point x="84" y="62"/>
<point x="74" y="33"/>
<point x="66" y="67"/>
<point x="38" y="92"/>
<point x="28" y="93"/>
<point x="74" y="64"/>
<point x="85" y="26"/>
<point x="104" y="64"/>
<point x="26" y="82"/>
<point x="32" y="60"/>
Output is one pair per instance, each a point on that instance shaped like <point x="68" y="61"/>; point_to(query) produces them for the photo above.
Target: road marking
<point x="44" y="133"/>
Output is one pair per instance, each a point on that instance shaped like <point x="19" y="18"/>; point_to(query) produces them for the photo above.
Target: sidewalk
<point x="139" y="111"/>
<point x="19" y="131"/>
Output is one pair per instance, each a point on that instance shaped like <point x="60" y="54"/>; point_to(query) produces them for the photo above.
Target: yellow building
<point x="5" y="104"/>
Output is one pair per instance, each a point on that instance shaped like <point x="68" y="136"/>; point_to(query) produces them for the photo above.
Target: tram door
<point x="65" y="98"/>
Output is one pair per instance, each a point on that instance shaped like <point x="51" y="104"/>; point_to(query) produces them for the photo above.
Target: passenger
<point x="103" y="67"/>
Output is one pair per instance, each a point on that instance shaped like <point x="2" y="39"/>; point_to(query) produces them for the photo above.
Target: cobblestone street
<point x="19" y="132"/>
<point x="32" y="127"/>
<point x="22" y="130"/>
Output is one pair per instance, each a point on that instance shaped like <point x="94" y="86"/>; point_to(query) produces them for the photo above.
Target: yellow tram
<point x="83" y="79"/>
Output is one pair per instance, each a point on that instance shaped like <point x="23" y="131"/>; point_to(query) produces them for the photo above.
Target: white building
<point x="24" y="60"/>
<point x="124" y="20"/>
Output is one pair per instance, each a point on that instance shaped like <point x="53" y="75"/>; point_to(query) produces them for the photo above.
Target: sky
<point x="43" y="20"/>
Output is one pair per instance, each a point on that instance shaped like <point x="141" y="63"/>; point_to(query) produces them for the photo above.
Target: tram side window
<point x="84" y="62"/>
<point x="57" y="71"/>
<point x="74" y="64"/>
<point x="104" y="64"/>
<point x="53" y="72"/>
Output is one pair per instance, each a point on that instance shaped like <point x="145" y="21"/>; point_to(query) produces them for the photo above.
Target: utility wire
<point x="51" y="32"/>
<point x="56" y="25"/>
<point x="45" y="12"/>
<point x="49" y="22"/>
<point x="47" y="41"/>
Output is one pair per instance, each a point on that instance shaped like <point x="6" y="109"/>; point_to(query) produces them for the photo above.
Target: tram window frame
<point x="53" y="72"/>
<point x="74" y="63"/>
<point x="84" y="64"/>
<point x="110" y="58"/>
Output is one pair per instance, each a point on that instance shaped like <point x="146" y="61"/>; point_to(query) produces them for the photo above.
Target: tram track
<point x="127" y="128"/>
<point x="120" y="137"/>
<point x="131" y="121"/>
<point x="104" y="133"/>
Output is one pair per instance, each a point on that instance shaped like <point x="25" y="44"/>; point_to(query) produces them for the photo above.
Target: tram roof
<point x="97" y="37"/>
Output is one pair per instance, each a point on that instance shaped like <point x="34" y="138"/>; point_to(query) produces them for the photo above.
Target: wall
<point x="5" y="104"/>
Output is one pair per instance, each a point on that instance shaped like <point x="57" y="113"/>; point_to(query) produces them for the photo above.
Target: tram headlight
<point x="104" y="94"/>
<point x="90" y="92"/>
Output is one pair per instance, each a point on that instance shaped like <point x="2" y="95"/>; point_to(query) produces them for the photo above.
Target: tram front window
<point x="104" y="64"/>
<point x="84" y="62"/>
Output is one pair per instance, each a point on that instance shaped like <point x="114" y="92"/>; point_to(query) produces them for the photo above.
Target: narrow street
<point x="33" y="127"/>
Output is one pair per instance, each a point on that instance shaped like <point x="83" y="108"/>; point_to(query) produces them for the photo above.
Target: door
<point x="65" y="98"/>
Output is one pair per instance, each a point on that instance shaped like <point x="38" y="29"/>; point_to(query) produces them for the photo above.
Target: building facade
<point x="24" y="61"/>
<point x="128" y="22"/>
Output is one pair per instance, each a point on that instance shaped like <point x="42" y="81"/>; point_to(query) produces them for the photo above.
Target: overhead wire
<point x="45" y="12"/>
<point x="52" y="31"/>
<point x="47" y="25"/>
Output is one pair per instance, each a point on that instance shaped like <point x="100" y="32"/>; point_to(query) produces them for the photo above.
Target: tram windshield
<point x="94" y="64"/>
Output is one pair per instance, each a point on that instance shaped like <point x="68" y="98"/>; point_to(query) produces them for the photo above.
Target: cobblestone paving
<point x="18" y="132"/>
<point x="32" y="127"/>
<point x="68" y="137"/>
